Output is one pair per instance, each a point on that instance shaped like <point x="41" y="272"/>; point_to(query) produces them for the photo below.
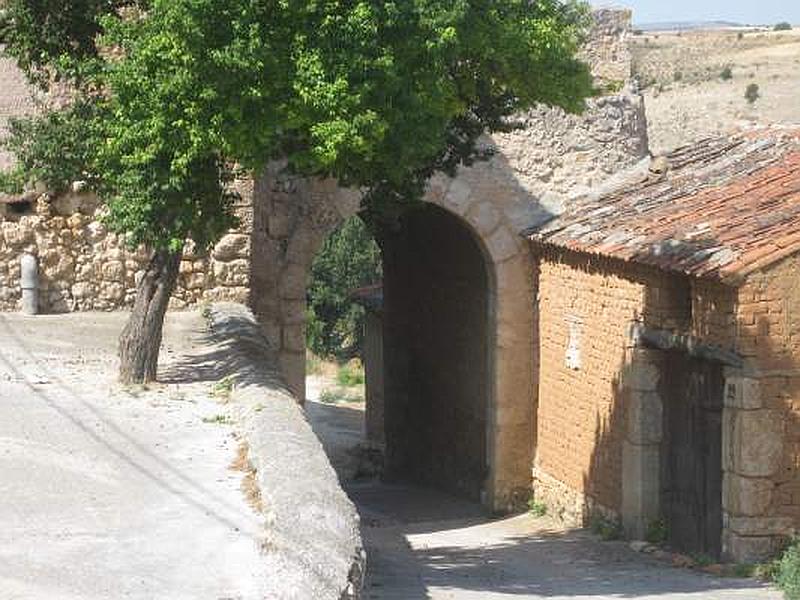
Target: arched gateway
<point x="458" y="346"/>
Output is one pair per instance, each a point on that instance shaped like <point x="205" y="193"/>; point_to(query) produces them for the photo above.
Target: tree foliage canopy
<point x="349" y="259"/>
<point x="377" y="93"/>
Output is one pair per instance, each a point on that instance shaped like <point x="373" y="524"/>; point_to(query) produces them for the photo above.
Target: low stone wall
<point x="83" y="266"/>
<point x="312" y="540"/>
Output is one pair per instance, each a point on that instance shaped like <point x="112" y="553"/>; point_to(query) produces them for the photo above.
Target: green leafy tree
<point x="348" y="259"/>
<point x="752" y="93"/>
<point x="378" y="94"/>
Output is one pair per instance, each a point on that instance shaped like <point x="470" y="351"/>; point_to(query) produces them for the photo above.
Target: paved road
<point x="108" y="494"/>
<point x="424" y="545"/>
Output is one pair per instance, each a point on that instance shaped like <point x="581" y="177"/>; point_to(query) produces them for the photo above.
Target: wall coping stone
<point x="312" y="531"/>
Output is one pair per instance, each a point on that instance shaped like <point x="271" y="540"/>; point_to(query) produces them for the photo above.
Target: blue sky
<point x="742" y="11"/>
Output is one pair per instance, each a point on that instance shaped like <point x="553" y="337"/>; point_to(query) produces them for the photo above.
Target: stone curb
<point x="312" y="540"/>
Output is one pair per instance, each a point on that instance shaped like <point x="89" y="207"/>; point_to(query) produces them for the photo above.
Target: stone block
<point x="82" y="290"/>
<point x="113" y="271"/>
<point x="743" y="393"/>
<point x="458" y="197"/>
<point x="745" y="496"/>
<point x="484" y="217"/>
<point x="503" y="244"/>
<point x="644" y="418"/>
<point x="235" y="272"/>
<point x="294" y="339"/>
<point x="232" y="245"/>
<point x="640" y="487"/>
<point x="761" y="526"/>
<point x="112" y="292"/>
<point x="744" y="549"/>
<point x="293" y="282"/>
<point x="642" y="373"/>
<point x="756" y="442"/>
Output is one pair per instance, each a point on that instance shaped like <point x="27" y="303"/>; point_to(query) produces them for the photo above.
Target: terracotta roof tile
<point x="725" y="207"/>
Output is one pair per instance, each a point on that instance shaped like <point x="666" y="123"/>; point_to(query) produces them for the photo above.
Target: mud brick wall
<point x="586" y="307"/>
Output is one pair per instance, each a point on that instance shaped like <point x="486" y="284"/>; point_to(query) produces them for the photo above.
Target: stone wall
<point x="608" y="52"/>
<point x="83" y="266"/>
<point x="762" y="413"/>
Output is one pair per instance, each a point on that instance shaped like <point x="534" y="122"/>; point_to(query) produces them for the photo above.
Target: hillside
<point x="687" y="95"/>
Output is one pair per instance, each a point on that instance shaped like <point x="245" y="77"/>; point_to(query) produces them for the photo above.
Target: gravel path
<point x="112" y="493"/>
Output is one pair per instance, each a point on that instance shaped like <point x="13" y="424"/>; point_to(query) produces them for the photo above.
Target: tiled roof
<point x="720" y="208"/>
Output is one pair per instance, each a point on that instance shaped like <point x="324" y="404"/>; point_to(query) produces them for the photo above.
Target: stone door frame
<point x="292" y="218"/>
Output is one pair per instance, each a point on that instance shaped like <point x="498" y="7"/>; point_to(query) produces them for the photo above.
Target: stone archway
<point x="437" y="329"/>
<point x="293" y="216"/>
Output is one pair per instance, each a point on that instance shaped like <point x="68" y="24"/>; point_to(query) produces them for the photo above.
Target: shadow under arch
<point x="439" y="338"/>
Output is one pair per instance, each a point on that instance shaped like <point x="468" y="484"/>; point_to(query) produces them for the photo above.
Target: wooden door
<point x="692" y="454"/>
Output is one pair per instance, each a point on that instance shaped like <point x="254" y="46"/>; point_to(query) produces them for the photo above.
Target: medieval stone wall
<point x="83" y="266"/>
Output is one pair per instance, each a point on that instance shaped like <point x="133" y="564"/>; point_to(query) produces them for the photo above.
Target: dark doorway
<point x="691" y="479"/>
<point x="436" y="329"/>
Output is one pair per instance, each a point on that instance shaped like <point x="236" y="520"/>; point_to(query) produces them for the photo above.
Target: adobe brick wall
<point x="581" y="410"/>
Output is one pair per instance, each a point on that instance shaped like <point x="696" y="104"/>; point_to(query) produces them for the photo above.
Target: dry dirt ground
<point x="425" y="545"/>
<point x="109" y="493"/>
<point x="686" y="98"/>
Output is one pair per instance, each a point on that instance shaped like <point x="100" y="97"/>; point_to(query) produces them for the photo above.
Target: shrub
<point x="677" y="76"/>
<point x="788" y="577"/>
<point x="607" y="529"/>
<point x="740" y="35"/>
<point x="702" y="560"/>
<point x="726" y="74"/>
<point x="351" y="374"/>
<point x="657" y="531"/>
<point x="752" y="94"/>
<point x="537" y="508"/>
<point x="782" y="26"/>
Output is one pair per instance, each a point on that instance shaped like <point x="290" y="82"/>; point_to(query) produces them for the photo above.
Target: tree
<point x="752" y="93"/>
<point x="378" y="94"/>
<point x="348" y="259"/>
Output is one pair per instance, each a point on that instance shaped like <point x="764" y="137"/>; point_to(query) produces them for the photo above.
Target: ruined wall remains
<point x="83" y="266"/>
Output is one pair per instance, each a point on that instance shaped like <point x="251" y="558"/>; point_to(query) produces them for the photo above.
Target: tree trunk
<point x="140" y="341"/>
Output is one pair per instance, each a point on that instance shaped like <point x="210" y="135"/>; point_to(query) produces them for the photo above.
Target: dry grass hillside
<point x="694" y="82"/>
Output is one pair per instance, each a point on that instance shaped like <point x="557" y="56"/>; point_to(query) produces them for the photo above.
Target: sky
<point x="754" y="12"/>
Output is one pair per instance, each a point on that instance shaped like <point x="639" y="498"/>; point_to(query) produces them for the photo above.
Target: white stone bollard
<point x="29" y="282"/>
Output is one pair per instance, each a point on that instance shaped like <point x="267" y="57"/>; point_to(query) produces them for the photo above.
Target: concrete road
<point x="107" y="493"/>
<point x="424" y="545"/>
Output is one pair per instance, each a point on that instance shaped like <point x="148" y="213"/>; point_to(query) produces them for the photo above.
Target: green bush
<point x="607" y="529"/>
<point x="657" y="531"/>
<point x="752" y="94"/>
<point x="788" y="577"/>
<point x="348" y="259"/>
<point x="537" y="508"/>
<point x="350" y="374"/>
<point x="782" y="26"/>
<point x="726" y="74"/>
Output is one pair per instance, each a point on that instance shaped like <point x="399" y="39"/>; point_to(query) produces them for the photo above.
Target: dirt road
<point x="107" y="493"/>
